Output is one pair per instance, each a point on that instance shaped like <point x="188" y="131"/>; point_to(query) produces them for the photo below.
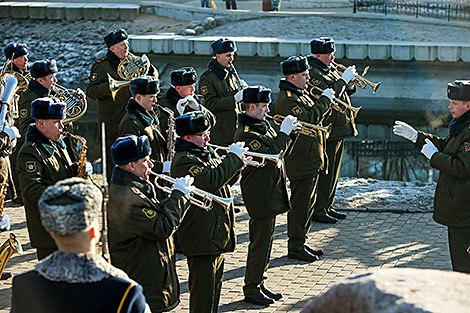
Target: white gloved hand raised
<point x="329" y="93"/>
<point x="238" y="149"/>
<point x="406" y="131"/>
<point x="88" y="169"/>
<point x="166" y="166"/>
<point x="12" y="132"/>
<point x="181" y="105"/>
<point x="184" y="184"/>
<point x="349" y="73"/>
<point x="289" y="124"/>
<point x="238" y="96"/>
<point x="192" y="103"/>
<point x="429" y="149"/>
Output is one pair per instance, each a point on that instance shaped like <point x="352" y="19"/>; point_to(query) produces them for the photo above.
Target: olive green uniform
<point x="138" y="121"/>
<point x="140" y="230"/>
<point x="218" y="85"/>
<point x="343" y="126"/>
<point x="304" y="160"/>
<point x="110" y="111"/>
<point x="5" y="152"/>
<point x="264" y="191"/>
<point x="205" y="235"/>
<point x="451" y="201"/>
<point x="41" y="163"/>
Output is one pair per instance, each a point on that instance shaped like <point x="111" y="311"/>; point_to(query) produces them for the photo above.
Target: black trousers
<point x="302" y="200"/>
<point x="259" y="253"/>
<point x="231" y="4"/>
<point x="327" y="182"/>
<point x="205" y="282"/>
<point x="459" y="246"/>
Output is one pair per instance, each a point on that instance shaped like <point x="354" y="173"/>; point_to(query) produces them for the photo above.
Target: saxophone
<point x="170" y="141"/>
<point x="10" y="246"/>
<point x="83" y="151"/>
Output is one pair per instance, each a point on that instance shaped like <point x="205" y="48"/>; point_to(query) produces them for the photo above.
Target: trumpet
<point x="306" y="129"/>
<point x="335" y="103"/>
<point x="359" y="80"/>
<point x="198" y="197"/>
<point x="249" y="155"/>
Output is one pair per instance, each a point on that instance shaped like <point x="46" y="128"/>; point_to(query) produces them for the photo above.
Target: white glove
<point x="349" y="73"/>
<point x="238" y="96"/>
<point x="181" y="106"/>
<point x="429" y="149"/>
<point x="329" y="93"/>
<point x="88" y="169"/>
<point x="12" y="132"/>
<point x="184" y="184"/>
<point x="166" y="166"/>
<point x="13" y="143"/>
<point x="192" y="103"/>
<point x="238" y="149"/>
<point x="289" y="124"/>
<point x="5" y="222"/>
<point x="243" y="84"/>
<point x="404" y="130"/>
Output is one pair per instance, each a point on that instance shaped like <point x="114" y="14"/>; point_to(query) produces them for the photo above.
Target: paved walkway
<point x="362" y="242"/>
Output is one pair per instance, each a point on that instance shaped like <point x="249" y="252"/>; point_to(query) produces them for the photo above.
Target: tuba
<point x="10" y="246"/>
<point x="129" y="68"/>
<point x="306" y="129"/>
<point x="249" y="155"/>
<point x="23" y="80"/>
<point x="3" y="193"/>
<point x="359" y="80"/>
<point x="75" y="100"/>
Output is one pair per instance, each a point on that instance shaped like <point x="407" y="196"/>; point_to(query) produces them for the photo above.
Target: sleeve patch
<point x="93" y="77"/>
<point x="23" y="113"/>
<point x="204" y="90"/>
<point x="195" y="170"/>
<point x="30" y="166"/>
<point x="149" y="213"/>
<point x="255" y="144"/>
<point x="466" y="147"/>
<point x="297" y="110"/>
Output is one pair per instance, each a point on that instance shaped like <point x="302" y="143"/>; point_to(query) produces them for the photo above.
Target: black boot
<point x="273" y="295"/>
<point x="259" y="298"/>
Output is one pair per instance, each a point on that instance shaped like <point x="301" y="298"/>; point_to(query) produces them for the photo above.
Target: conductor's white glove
<point x="166" y="166"/>
<point x="184" y="184"/>
<point x="289" y="124"/>
<point x="429" y="149"/>
<point x="192" y="103"/>
<point x="238" y="149"/>
<point x="349" y="73"/>
<point x="238" y="96"/>
<point x="187" y="101"/>
<point x="329" y="93"/>
<point x="88" y="169"/>
<point x="406" y="131"/>
<point x="12" y="132"/>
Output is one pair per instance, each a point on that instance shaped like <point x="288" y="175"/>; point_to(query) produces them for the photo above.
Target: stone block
<point x="305" y="48"/>
<point x="162" y="44"/>
<point x="379" y="51"/>
<point x="246" y="47"/>
<point x="362" y="131"/>
<point x="267" y="48"/>
<point x="356" y="51"/>
<point x="404" y="52"/>
<point x="74" y="11"/>
<point x="20" y="10"/>
<point x="378" y="132"/>
<point x="182" y="46"/>
<point x="465" y="53"/>
<point x="202" y="45"/>
<point x="140" y="43"/>
<point x="289" y="47"/>
<point x="128" y="12"/>
<point x="340" y="50"/>
<point x="110" y="12"/>
<point x="425" y="53"/>
<point x="5" y="9"/>
<point x="448" y="53"/>
<point x="56" y="11"/>
<point x="92" y="11"/>
<point x="38" y="10"/>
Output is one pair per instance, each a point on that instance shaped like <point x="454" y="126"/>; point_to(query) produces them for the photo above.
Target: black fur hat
<point x="256" y="94"/>
<point x="295" y="65"/>
<point x="223" y="45"/>
<point x="116" y="36"/>
<point x="322" y="45"/>
<point x="48" y="109"/>
<point x="459" y="90"/>
<point x="15" y="50"/>
<point x="130" y="149"/>
<point x="43" y="68"/>
<point x="192" y="123"/>
<point x="145" y="85"/>
<point x="183" y="76"/>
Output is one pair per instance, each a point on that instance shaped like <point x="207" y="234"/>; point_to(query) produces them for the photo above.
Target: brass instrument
<point x="170" y="140"/>
<point x="3" y="193"/>
<point x="75" y="100"/>
<point x="306" y="129"/>
<point x="249" y="155"/>
<point x="133" y="66"/>
<point x="83" y="151"/>
<point x="10" y="246"/>
<point x="204" y="200"/>
<point x="23" y="80"/>
<point x="335" y="103"/>
<point x="359" y="80"/>
<point x="116" y="85"/>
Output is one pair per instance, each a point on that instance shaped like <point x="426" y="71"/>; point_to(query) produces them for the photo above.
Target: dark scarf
<point x="34" y="135"/>
<point x="38" y="88"/>
<point x="15" y="68"/>
<point x="173" y="96"/>
<point x="255" y="124"/>
<point x="313" y="61"/>
<point x="182" y="145"/>
<point x="147" y="117"/>
<point x="457" y="124"/>
<point x="113" y="59"/>
<point x="286" y="85"/>
<point x="220" y="71"/>
<point x="125" y="178"/>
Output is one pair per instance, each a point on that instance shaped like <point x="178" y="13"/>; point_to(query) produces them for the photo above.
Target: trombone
<point x="198" y="197"/>
<point x="249" y="155"/>
<point x="336" y="102"/>
<point x="359" y="80"/>
<point x="306" y="129"/>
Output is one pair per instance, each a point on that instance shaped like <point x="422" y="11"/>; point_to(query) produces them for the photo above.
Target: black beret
<point x="116" y="36"/>
<point x="295" y="65"/>
<point x="130" y="149"/>
<point x="15" y="50"/>
<point x="183" y="76"/>
<point x="48" y="109"/>
<point x="256" y="94"/>
<point x="322" y="45"/>
<point x="43" y="68"/>
<point x="459" y="90"/>
<point x="145" y="85"/>
<point x="223" y="45"/>
<point x="192" y="123"/>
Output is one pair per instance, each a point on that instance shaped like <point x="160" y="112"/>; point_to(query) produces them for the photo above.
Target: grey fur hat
<point x="69" y="206"/>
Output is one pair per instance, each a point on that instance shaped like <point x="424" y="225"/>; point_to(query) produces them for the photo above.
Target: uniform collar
<point x="220" y="71"/>
<point x="457" y="124"/>
<point x="259" y="126"/>
<point x="113" y="59"/>
<point x="313" y="61"/>
<point x="182" y="145"/>
<point x="286" y="85"/>
<point x="173" y="96"/>
<point x="39" y="89"/>
<point x="123" y="177"/>
<point x="34" y="135"/>
<point x="147" y="117"/>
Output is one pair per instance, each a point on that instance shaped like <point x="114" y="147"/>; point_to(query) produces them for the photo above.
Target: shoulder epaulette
<point x="289" y="94"/>
<point x="101" y="60"/>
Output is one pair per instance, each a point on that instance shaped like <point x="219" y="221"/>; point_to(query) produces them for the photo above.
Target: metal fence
<point x="446" y="9"/>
